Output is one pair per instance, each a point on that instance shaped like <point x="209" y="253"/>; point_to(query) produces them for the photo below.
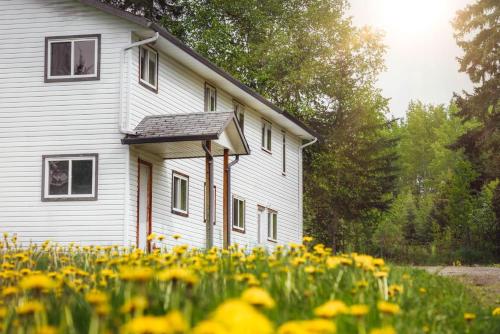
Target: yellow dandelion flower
<point x="135" y="304"/>
<point x="178" y="274"/>
<point x="96" y="297"/>
<point x="176" y="236"/>
<point x="496" y="312"/>
<point x="209" y="327"/>
<point x="177" y="322"/>
<point x="469" y="316"/>
<point x="37" y="282"/>
<point x="258" y="297"/>
<point x="307" y="239"/>
<point x="3" y="312"/>
<point x="381" y="274"/>
<point x="331" y="309"/>
<point x="30" y="307"/>
<point x="383" y="330"/>
<point x="314" y="326"/>
<point x="47" y="330"/>
<point x="422" y="291"/>
<point x="9" y="291"/>
<point x="136" y="274"/>
<point x="358" y="310"/>
<point x="147" y="325"/>
<point x="239" y="317"/>
<point x="388" y="308"/>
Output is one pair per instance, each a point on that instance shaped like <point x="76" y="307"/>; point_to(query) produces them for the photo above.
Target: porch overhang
<point x="180" y="136"/>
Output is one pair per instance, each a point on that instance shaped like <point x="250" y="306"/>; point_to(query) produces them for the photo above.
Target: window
<point x="180" y="193"/>
<point x="72" y="58"/>
<point x="266" y="135"/>
<point x="148" y="68"/>
<point x="210" y="98"/>
<point x="239" y="111"/>
<point x="68" y="177"/>
<point x="283" y="152"/>
<point x="272" y="225"/>
<point x="238" y="214"/>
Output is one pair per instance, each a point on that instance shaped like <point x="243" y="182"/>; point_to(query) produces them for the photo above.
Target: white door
<point x="261" y="226"/>
<point x="144" y="205"/>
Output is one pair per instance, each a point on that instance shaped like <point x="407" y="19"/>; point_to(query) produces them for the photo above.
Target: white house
<point x="111" y="128"/>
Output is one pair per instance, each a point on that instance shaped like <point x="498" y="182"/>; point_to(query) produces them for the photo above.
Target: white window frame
<point x="178" y="197"/>
<point x="46" y="170"/>
<point x="238" y="227"/>
<point x="283" y="153"/>
<point x="270" y="225"/>
<point x="239" y="112"/>
<point x="266" y="135"/>
<point x="72" y="40"/>
<point x="145" y="81"/>
<point x="209" y="90"/>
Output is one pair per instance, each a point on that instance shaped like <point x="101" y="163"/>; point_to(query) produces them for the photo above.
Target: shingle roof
<point x="182" y="127"/>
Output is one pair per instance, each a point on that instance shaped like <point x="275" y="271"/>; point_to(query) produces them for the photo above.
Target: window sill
<point x="148" y="86"/>
<point x="266" y="150"/>
<point x="62" y="199"/>
<point x="180" y="213"/>
<point x="70" y="79"/>
<point x="239" y="230"/>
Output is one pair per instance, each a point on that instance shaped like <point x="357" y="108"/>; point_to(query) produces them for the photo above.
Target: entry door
<point x="261" y="225"/>
<point x="144" y="204"/>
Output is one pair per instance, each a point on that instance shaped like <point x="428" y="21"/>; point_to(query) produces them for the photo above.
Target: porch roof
<point x="180" y="135"/>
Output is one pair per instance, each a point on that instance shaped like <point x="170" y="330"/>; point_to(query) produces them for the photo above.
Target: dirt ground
<point x="484" y="281"/>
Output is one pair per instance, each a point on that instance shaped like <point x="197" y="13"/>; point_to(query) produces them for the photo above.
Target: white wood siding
<point x="38" y="118"/>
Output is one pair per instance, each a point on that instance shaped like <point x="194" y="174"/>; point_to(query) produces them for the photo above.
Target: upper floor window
<point x="266" y="135"/>
<point x="210" y="98"/>
<point x="148" y="68"/>
<point x="239" y="111"/>
<point x="69" y="177"/>
<point x="283" y="152"/>
<point x="72" y="58"/>
<point x="180" y="193"/>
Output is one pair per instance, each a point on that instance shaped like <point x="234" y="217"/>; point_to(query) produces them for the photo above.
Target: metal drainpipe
<point x="229" y="199"/>
<point x="300" y="186"/>
<point x="211" y="202"/>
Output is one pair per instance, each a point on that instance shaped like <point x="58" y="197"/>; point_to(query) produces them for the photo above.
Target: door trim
<point x="150" y="201"/>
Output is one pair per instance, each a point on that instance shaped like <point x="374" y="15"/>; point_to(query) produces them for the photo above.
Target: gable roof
<point x="304" y="131"/>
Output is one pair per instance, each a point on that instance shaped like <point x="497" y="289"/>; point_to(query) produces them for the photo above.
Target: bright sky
<point x="421" y="56"/>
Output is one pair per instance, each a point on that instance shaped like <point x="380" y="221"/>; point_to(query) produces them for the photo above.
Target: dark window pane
<point x="275" y="226"/>
<point x="85" y="62"/>
<point x="152" y="69"/>
<point x="269" y="224"/>
<point x="263" y="139"/>
<point x="58" y="177"/>
<point x="235" y="212"/>
<point x="242" y="214"/>
<point x="175" y="193"/>
<point x="144" y="53"/>
<point x="269" y="138"/>
<point x="60" y="58"/>
<point x="81" y="179"/>
<point x="183" y="195"/>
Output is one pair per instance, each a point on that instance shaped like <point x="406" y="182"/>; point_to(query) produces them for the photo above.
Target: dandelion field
<point x="295" y="289"/>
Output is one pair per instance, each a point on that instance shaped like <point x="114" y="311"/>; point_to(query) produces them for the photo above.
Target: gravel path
<point x="478" y="275"/>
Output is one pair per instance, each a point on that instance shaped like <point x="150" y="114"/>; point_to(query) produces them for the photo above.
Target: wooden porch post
<point x="225" y="200"/>
<point x="209" y="181"/>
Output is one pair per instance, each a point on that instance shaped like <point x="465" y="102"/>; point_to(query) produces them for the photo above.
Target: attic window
<point x="148" y="68"/>
<point x="72" y="58"/>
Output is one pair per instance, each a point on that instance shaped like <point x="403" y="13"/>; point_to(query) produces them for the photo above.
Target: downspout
<point x="123" y="119"/>
<point x="210" y="192"/>
<point x="229" y="199"/>
<point x="123" y="127"/>
<point x="300" y="188"/>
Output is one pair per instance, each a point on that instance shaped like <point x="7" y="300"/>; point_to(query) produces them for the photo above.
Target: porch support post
<point x="225" y="200"/>
<point x="209" y="181"/>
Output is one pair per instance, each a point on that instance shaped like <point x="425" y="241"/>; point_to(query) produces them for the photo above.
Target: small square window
<point x="148" y="68"/>
<point x="69" y="177"/>
<point x="238" y="214"/>
<point x="239" y="111"/>
<point x="266" y="135"/>
<point x="72" y="58"/>
<point x="210" y="98"/>
<point x="272" y="225"/>
<point x="180" y="193"/>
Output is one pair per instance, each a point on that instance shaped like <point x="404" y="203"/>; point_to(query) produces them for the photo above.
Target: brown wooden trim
<point x="76" y="198"/>
<point x="153" y="89"/>
<point x="150" y="201"/>
<point x="98" y="60"/>
<point x="207" y="84"/>
<point x="225" y="197"/>
<point x="172" y="209"/>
